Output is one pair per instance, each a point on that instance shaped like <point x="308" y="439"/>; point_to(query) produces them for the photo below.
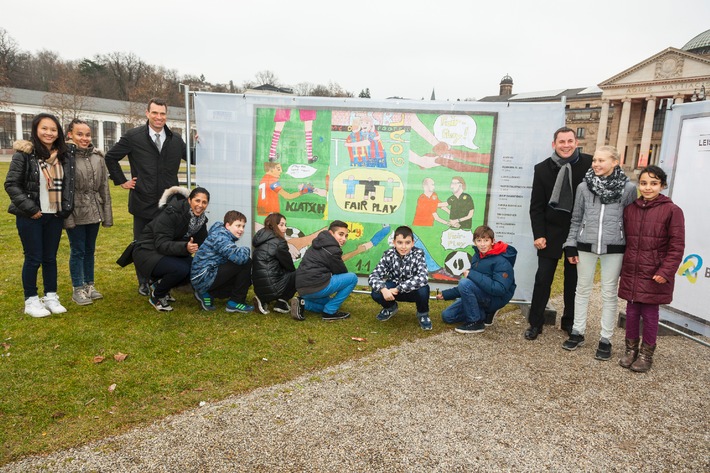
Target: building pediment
<point x="670" y="65"/>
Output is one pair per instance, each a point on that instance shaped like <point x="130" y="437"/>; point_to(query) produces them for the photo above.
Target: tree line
<point x="123" y="76"/>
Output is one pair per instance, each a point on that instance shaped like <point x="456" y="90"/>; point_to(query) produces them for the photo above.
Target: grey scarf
<point x="195" y="223"/>
<point x="562" y="197"/>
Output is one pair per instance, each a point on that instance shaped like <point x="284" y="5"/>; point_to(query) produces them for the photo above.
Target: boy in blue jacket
<point x="486" y="287"/>
<point x="221" y="268"/>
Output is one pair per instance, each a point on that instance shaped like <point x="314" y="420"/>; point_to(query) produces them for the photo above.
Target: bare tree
<point x="9" y="57"/>
<point x="127" y="71"/>
<point x="266" y="77"/>
<point x="303" y="88"/>
<point x="69" y="98"/>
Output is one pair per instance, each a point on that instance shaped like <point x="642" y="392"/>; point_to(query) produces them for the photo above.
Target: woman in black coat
<point x="165" y="248"/>
<point x="273" y="272"/>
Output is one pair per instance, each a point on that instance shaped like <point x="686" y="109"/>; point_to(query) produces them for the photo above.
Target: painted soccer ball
<point x="457" y="262"/>
<point x="293" y="232"/>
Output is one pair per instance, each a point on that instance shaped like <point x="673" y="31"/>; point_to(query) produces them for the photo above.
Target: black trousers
<point x="139" y="224"/>
<point x="232" y="281"/>
<point x="544" y="276"/>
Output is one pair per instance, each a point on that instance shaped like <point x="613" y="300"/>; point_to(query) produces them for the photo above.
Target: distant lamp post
<point x="698" y="96"/>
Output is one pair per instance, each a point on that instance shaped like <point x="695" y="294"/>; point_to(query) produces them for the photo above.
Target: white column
<point x="678" y="99"/>
<point x="100" y="142"/>
<point x="18" y="126"/>
<point x="623" y="128"/>
<point x="603" y="123"/>
<point x="647" y="131"/>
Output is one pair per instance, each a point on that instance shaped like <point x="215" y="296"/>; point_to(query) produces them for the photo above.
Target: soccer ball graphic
<point x="457" y="262"/>
<point x="293" y="232"/>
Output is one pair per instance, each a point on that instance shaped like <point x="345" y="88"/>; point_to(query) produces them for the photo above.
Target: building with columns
<point x="628" y="110"/>
<point x="108" y="119"/>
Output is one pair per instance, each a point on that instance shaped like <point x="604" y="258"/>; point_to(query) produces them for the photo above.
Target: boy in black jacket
<point x="322" y="280"/>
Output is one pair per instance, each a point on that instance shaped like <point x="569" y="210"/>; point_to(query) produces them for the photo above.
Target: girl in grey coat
<point x="92" y="209"/>
<point x="597" y="233"/>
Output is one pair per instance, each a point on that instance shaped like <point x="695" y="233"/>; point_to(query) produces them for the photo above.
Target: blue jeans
<point x="470" y="307"/>
<point x="340" y="287"/>
<point x="82" y="243"/>
<point x="420" y="297"/>
<point x="40" y="242"/>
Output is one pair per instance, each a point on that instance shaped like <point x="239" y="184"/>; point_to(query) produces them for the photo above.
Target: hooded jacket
<point x="22" y="182"/>
<point x="272" y="265"/>
<point x="655" y="242"/>
<point x="323" y="259"/>
<point x="219" y="247"/>
<point x="493" y="273"/>
<point x="165" y="234"/>
<point x="92" y="198"/>
<point x="155" y="170"/>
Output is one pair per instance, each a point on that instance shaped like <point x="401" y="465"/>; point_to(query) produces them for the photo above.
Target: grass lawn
<point x="54" y="395"/>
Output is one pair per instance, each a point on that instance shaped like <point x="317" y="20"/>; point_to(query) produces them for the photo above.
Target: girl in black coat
<point x="40" y="183"/>
<point x="166" y="245"/>
<point x="273" y="272"/>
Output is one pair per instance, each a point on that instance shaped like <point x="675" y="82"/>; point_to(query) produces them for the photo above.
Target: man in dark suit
<point x="154" y="153"/>
<point x="554" y="185"/>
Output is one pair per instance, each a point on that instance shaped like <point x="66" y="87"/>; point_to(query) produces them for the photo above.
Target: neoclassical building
<point x="628" y="110"/>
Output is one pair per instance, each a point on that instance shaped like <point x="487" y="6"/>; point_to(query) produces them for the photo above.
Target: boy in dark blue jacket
<point x="486" y="287"/>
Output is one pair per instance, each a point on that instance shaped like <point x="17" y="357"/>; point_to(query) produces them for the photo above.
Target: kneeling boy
<point x="401" y="275"/>
<point x="221" y="268"/>
<point x="486" y="287"/>
<point x="322" y="280"/>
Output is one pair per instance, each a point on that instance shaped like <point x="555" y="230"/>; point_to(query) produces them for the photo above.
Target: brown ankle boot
<point x="645" y="360"/>
<point x="632" y="352"/>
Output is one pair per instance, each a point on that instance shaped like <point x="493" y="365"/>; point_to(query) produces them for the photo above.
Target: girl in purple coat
<point x="655" y="241"/>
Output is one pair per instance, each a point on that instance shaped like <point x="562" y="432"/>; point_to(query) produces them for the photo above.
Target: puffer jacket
<point x="22" y="182"/>
<point x="323" y="259"/>
<point x="655" y="242"/>
<point x="219" y="248"/>
<point x="595" y="227"/>
<point x="92" y="198"/>
<point x="165" y="234"/>
<point x="272" y="266"/>
<point x="493" y="273"/>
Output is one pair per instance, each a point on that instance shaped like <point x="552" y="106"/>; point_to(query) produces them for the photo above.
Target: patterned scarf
<point x="54" y="175"/>
<point x="195" y="223"/>
<point x="608" y="188"/>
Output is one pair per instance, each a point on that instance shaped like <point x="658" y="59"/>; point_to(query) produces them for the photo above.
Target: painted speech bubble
<point x="453" y="239"/>
<point x="456" y="130"/>
<point x="300" y="171"/>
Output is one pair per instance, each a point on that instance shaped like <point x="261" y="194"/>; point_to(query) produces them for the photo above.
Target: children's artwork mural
<point x="376" y="170"/>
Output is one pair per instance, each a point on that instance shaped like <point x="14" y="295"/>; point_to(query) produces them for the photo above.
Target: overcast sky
<point x="461" y="48"/>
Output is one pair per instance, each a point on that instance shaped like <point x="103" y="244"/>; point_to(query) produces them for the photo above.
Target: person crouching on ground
<point x="273" y="271"/>
<point x="487" y="287"/>
<point x="401" y="275"/>
<point x="221" y="268"/>
<point x="322" y="279"/>
<point x="166" y="245"/>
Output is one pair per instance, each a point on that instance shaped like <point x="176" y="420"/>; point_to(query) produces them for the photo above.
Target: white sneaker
<point x="35" y="308"/>
<point x="51" y="302"/>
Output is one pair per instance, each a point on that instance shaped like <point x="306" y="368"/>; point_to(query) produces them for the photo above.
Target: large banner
<point x="686" y="157"/>
<point x="441" y="168"/>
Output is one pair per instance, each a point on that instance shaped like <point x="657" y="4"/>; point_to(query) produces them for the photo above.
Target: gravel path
<point x="450" y="403"/>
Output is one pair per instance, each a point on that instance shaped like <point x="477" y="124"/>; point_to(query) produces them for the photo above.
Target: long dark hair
<point x="59" y="144"/>
<point x="272" y="223"/>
